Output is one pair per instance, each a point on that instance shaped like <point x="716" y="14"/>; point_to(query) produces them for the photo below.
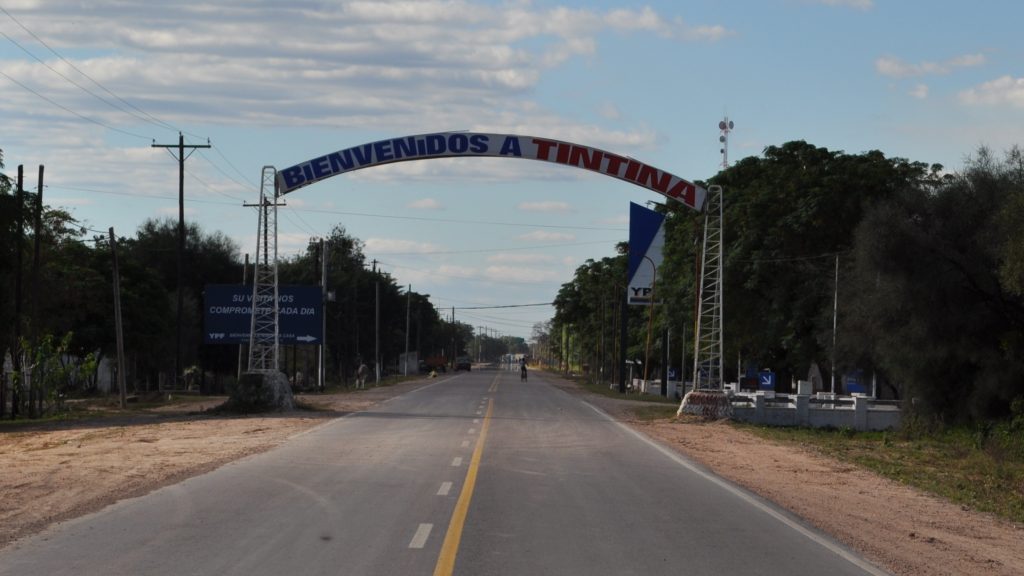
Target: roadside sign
<point x="227" y="314"/>
<point x="766" y="380"/>
<point x="646" y="243"/>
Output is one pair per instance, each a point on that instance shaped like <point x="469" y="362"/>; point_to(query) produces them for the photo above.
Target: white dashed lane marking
<point x="419" y="539"/>
<point x="457" y="461"/>
<point x="445" y="488"/>
<point x="465" y="443"/>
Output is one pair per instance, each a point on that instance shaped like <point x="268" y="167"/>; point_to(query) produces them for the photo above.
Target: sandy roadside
<point x="54" y="473"/>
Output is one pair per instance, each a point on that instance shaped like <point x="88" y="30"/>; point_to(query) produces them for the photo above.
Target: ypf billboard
<point x="646" y="242"/>
<point x="227" y="314"/>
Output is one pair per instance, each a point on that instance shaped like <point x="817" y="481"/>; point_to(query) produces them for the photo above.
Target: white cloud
<point x="265" y="65"/>
<point x="609" y="111"/>
<point x="548" y="206"/>
<point x="173" y="211"/>
<point x="521" y="274"/>
<point x="920" y="91"/>
<point x="858" y="4"/>
<point x="620" y="220"/>
<point x="520" y="258"/>
<point x="424" y="204"/>
<point x="647" y="20"/>
<point x="1005" y="90"/>
<point x="380" y="246"/>
<point x="67" y="202"/>
<point x="896" y="68"/>
<point x="545" y="236"/>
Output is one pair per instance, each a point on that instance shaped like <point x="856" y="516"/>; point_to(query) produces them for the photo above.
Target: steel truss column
<point x="263" y="336"/>
<point x="707" y="362"/>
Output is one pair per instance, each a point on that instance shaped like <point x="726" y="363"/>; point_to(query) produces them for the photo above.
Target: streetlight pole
<point x="408" y="308"/>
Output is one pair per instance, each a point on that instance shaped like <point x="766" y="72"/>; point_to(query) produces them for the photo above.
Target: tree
<point x="787" y="214"/>
<point x="934" y="304"/>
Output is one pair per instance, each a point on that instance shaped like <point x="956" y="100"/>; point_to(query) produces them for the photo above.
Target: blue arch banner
<point x="465" y="144"/>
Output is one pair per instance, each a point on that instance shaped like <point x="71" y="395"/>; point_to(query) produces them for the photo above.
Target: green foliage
<point x="787" y="215"/>
<point x="52" y="373"/>
<point x="930" y="303"/>
<point x="584" y="330"/>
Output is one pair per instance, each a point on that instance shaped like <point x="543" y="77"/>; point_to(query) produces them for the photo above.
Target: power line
<point x="504" y="306"/>
<point x="453" y="276"/>
<point x="233" y="167"/>
<point x="225" y="174"/>
<point x="456" y="221"/>
<point x="478" y="250"/>
<point x="76" y="84"/>
<point x="69" y="110"/>
<point x="147" y="116"/>
<point x="135" y="194"/>
<point x="793" y="258"/>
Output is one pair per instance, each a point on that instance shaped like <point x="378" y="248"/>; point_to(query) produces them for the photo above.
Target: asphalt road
<point x="474" y="474"/>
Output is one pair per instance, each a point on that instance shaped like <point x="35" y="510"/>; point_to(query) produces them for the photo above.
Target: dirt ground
<point x="56" y="472"/>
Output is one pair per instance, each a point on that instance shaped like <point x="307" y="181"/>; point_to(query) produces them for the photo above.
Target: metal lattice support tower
<point x="263" y="336"/>
<point x="707" y="361"/>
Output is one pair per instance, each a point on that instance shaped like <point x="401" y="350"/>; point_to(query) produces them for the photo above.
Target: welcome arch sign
<point x="478" y="144"/>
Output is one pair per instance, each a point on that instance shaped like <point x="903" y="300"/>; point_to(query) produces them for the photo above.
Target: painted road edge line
<point x="450" y="548"/>
<point x="741" y="493"/>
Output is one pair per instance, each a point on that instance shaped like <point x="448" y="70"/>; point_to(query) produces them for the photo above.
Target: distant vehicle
<point x="463" y="363"/>
<point x="436" y="363"/>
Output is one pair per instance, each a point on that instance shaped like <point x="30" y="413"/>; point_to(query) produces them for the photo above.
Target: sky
<point x="88" y="87"/>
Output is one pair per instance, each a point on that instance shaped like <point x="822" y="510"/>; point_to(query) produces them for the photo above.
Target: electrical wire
<point x="151" y="119"/>
<point x="455" y="277"/>
<point x="69" y="110"/>
<point x="456" y="221"/>
<point x="485" y="250"/>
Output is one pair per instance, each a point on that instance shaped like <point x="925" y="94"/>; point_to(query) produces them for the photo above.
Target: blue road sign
<point x="227" y="314"/>
<point x="766" y="380"/>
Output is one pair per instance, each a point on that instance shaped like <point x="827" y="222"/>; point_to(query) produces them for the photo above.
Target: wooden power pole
<point x="181" y="157"/>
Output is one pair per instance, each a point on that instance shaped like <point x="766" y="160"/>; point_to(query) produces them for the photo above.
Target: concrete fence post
<point x="860" y="413"/>
<point x="803" y="405"/>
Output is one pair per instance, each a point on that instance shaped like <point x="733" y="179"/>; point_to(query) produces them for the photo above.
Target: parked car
<point x="463" y="363"/>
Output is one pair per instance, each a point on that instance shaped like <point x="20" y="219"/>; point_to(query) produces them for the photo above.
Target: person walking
<point x="361" y="373"/>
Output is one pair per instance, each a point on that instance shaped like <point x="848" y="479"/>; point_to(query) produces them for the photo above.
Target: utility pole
<point x="181" y="157"/>
<point x="117" y="322"/>
<point x="376" y="331"/>
<point x="16" y="349"/>
<point x="408" y="310"/>
<point x="835" y="314"/>
<point x="241" y="347"/>
<point x="322" y="370"/>
<point x="35" y="253"/>
<point x="34" y="281"/>
<point x="623" y="335"/>
<point x="376" y="324"/>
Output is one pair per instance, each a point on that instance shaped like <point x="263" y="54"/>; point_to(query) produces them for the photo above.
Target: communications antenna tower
<point x="263" y="335"/>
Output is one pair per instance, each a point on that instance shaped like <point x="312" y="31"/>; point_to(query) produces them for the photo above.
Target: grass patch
<point x="657" y="412"/>
<point x="981" y="470"/>
<point x="602" y="389"/>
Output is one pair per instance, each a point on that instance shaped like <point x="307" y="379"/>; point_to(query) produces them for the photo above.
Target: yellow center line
<point x="450" y="548"/>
